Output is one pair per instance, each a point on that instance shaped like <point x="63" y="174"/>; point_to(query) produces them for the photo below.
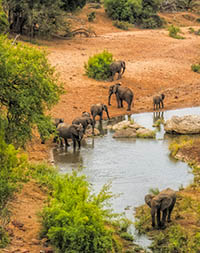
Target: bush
<point x="173" y="32"/>
<point x="98" y="66"/>
<point x="74" y="220"/>
<point x="196" y="68"/>
<point x="139" y="12"/>
<point x="91" y="16"/>
<point x="4" y="25"/>
<point x="121" y="24"/>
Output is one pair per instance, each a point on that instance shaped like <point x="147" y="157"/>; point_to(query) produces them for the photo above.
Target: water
<point x="132" y="165"/>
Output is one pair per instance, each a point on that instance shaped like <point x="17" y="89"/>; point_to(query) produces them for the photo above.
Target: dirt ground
<point x="155" y="63"/>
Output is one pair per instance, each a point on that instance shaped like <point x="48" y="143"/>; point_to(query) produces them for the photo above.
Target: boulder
<point x="145" y="133"/>
<point x="189" y="124"/>
<point x="125" y="133"/>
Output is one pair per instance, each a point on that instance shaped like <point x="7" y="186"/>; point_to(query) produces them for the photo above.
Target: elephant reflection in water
<point x="157" y="116"/>
<point x="61" y="156"/>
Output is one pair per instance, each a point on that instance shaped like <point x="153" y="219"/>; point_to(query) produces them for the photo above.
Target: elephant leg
<point x="164" y="215"/>
<point x="79" y="144"/>
<point x="74" y="144"/>
<point x="158" y="218"/>
<point x="66" y="143"/>
<point x="169" y="212"/>
<point x="162" y="104"/>
<point x="100" y="115"/>
<point x="118" y="101"/>
<point x="121" y="101"/>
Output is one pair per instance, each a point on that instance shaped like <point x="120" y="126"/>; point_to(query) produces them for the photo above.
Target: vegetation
<point x="28" y="89"/>
<point x="179" y="143"/>
<point x="72" y="5"/>
<point x="121" y="24"/>
<point x="139" y="12"/>
<point x="174" y="32"/>
<point x="3" y="20"/>
<point x="91" y="16"/>
<point x="98" y="66"/>
<point x="196" y="67"/>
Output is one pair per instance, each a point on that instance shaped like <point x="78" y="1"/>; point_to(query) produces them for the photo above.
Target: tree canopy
<point x="29" y="88"/>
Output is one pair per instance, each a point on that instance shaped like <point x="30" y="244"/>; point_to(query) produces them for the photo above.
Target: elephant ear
<point x="165" y="203"/>
<point x="148" y="198"/>
<point x="111" y="89"/>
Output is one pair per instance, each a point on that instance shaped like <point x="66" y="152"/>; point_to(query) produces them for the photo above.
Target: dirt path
<point x="155" y="63"/>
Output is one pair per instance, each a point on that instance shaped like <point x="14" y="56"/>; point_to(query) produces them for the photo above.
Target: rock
<point x="121" y="125"/>
<point x="88" y="132"/>
<point x="189" y="124"/>
<point x="125" y="133"/>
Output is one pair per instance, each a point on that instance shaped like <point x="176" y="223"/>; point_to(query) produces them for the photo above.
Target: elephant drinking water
<point x="97" y="109"/>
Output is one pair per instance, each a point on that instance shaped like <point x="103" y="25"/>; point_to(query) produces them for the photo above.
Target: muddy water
<point x="132" y="165"/>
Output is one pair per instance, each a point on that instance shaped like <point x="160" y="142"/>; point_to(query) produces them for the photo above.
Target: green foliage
<point x="4" y="240"/>
<point x="121" y="24"/>
<point x="28" y="89"/>
<point x="3" y="20"/>
<point x="126" y="236"/>
<point x="91" y="16"/>
<point x="139" y="12"/>
<point x="178" y="143"/>
<point x="98" y="66"/>
<point x="196" y="68"/>
<point x="173" y="32"/>
<point x="35" y="17"/>
<point x="74" y="220"/>
<point x="72" y="5"/>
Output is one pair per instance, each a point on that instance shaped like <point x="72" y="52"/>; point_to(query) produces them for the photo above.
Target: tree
<point x="28" y="88"/>
<point x="32" y="17"/>
<point x="71" y="5"/>
<point x="3" y="20"/>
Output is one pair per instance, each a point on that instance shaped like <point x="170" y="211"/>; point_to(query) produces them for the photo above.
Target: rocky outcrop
<point x="189" y="124"/>
<point x="129" y="129"/>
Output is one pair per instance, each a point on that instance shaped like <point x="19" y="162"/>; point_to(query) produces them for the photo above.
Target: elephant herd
<point x="164" y="202"/>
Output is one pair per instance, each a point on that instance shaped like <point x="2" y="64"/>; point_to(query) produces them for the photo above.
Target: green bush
<point x="74" y="220"/>
<point x="139" y="12"/>
<point x="91" y="16"/>
<point x="173" y="32"/>
<point x="121" y="24"/>
<point x="196" y="68"/>
<point x="98" y="66"/>
<point x="4" y="25"/>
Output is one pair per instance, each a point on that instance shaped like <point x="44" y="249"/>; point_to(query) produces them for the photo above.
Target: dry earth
<point x="155" y="63"/>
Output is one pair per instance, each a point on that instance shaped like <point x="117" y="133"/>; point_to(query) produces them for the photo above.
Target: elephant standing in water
<point x="98" y="109"/>
<point x="74" y="132"/>
<point x="158" y="101"/>
<point x="84" y="121"/>
<point x="117" y="67"/>
<point x="163" y="202"/>
<point x="122" y="93"/>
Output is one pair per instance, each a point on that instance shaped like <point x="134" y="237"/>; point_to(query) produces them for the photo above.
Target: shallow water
<point x="132" y="165"/>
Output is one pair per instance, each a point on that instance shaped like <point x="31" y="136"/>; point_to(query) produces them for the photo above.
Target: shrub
<point x="98" y="66"/>
<point x="121" y="24"/>
<point x="74" y="220"/>
<point x="4" y="25"/>
<point x="91" y="16"/>
<point x="173" y="32"/>
<point x="196" y="68"/>
<point x="140" y="12"/>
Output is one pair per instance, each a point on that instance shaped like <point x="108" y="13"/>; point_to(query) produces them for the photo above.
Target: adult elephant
<point x="158" y="101"/>
<point x="97" y="109"/>
<point x="117" y="67"/>
<point x="122" y="94"/>
<point x="162" y="203"/>
<point x="84" y="121"/>
<point x="74" y="132"/>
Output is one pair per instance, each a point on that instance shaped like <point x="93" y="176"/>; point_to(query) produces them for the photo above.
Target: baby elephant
<point x="158" y="101"/>
<point x="162" y="203"/>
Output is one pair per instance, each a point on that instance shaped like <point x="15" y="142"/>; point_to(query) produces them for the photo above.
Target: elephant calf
<point x="158" y="101"/>
<point x="122" y="94"/>
<point x="117" y="67"/>
<point x="162" y="203"/>
<point x="74" y="132"/>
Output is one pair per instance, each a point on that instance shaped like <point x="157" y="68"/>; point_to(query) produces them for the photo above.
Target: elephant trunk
<point x="107" y="114"/>
<point x="109" y="97"/>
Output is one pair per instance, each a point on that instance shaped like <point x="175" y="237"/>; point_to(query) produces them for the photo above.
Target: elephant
<point x="97" y="109"/>
<point x="163" y="202"/>
<point x="85" y="121"/>
<point x="158" y="101"/>
<point x="74" y="132"/>
<point x="117" y="67"/>
<point x="122" y="93"/>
